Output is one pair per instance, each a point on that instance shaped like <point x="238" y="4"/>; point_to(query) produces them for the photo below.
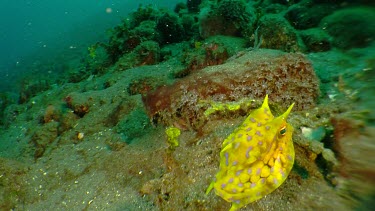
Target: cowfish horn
<point x="287" y="112"/>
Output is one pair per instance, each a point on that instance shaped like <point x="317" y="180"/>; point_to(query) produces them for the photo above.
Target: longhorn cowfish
<point x="256" y="158"/>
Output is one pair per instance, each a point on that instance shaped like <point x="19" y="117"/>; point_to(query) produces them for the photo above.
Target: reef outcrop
<point x="285" y="77"/>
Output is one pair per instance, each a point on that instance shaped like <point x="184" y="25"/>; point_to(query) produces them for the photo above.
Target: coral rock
<point x="214" y="51"/>
<point x="229" y="17"/>
<point x="307" y="15"/>
<point x="277" y="33"/>
<point x="316" y="40"/>
<point x="193" y="5"/>
<point x="286" y="77"/>
<point x="350" y="28"/>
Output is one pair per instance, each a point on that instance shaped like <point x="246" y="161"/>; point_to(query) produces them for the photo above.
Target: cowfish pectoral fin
<point x="210" y="187"/>
<point x="237" y="205"/>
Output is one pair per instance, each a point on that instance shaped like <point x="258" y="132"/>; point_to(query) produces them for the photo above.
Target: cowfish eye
<point x="283" y="130"/>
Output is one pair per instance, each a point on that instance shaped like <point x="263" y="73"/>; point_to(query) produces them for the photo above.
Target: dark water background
<point x="41" y="30"/>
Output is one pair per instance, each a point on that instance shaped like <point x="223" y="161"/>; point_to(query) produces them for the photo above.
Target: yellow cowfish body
<point x="256" y="158"/>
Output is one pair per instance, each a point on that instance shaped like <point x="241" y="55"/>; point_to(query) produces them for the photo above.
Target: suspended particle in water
<point x="108" y="10"/>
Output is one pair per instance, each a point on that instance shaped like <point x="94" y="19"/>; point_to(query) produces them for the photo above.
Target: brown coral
<point x="79" y="105"/>
<point x="213" y="51"/>
<point x="141" y="86"/>
<point x="43" y="137"/>
<point x="287" y="78"/>
<point x="214" y="54"/>
<point x="51" y="114"/>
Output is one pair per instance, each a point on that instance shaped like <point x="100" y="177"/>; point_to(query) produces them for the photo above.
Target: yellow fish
<point x="256" y="158"/>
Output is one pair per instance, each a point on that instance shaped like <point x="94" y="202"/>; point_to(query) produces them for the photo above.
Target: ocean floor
<point x="104" y="170"/>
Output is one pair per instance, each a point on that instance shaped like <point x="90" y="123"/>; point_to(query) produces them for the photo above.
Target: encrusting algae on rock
<point x="172" y="137"/>
<point x="256" y="158"/>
